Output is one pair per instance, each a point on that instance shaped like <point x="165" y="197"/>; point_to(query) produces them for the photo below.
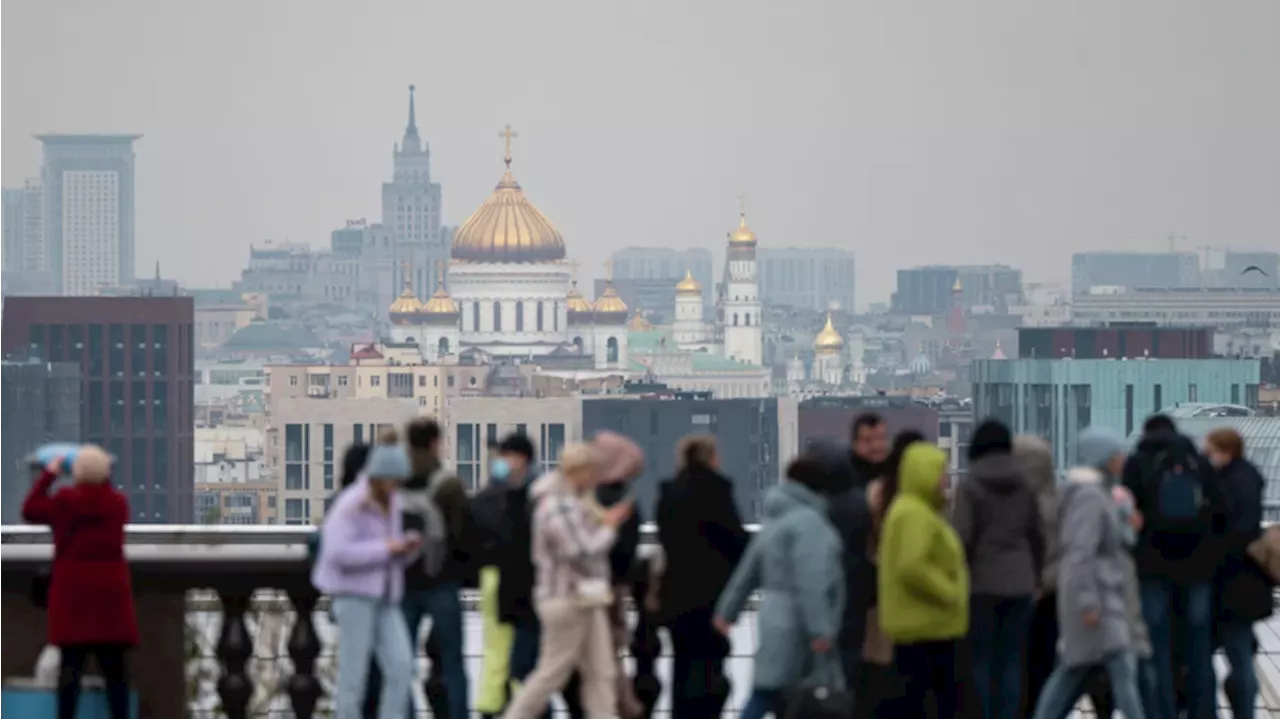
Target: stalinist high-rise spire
<point x="411" y="141"/>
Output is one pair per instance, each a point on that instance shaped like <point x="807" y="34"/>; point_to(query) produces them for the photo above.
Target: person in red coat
<point x="90" y="591"/>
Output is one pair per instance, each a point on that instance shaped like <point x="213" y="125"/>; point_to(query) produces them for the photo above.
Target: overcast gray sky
<point x="912" y="132"/>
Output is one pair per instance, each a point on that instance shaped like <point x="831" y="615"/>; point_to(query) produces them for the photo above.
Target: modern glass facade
<point x="1057" y="399"/>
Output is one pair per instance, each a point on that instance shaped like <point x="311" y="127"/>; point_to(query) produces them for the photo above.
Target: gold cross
<point x="574" y="265"/>
<point x="742" y="205"/>
<point x="608" y="269"/>
<point x="440" y="273"/>
<point x="507" y="134"/>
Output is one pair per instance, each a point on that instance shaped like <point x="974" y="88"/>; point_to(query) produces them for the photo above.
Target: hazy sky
<point x="912" y="132"/>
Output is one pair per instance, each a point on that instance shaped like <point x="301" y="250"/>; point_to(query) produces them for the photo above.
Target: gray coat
<point x="997" y="517"/>
<point x="1094" y="574"/>
<point x="795" y="561"/>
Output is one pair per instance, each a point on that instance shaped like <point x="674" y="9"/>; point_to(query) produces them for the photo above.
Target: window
<point x="1158" y="393"/>
<point x="497" y="317"/>
<point x="160" y="343"/>
<point x="539" y="312"/>
<point x="115" y="350"/>
<point x="57" y="343"/>
<point x="160" y="461"/>
<point x="138" y="350"/>
<point x="138" y="405"/>
<point x="293" y="476"/>
<point x="1128" y="410"/>
<point x="1193" y="393"/>
<point x="357" y="433"/>
<point x="1235" y="394"/>
<point x="293" y="443"/>
<point x="475" y="316"/>
<point x="38" y="342"/>
<point x="115" y="425"/>
<point x="295" y="512"/>
<point x="552" y="442"/>
<point x="96" y="410"/>
<point x="522" y="430"/>
<point x="491" y="435"/>
<point x="375" y="381"/>
<point x="611" y="350"/>
<point x="519" y="315"/>
<point x="293" y="380"/>
<point x="96" y="368"/>
<point x="442" y="347"/>
<point x="328" y="442"/>
<point x="468" y="455"/>
<point x="342" y="380"/>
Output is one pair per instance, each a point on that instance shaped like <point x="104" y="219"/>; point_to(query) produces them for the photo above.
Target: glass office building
<point x="1057" y="399"/>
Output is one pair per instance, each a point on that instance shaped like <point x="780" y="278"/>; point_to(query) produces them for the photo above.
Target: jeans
<point x="1066" y="684"/>
<point x="761" y="704"/>
<point x="372" y="627"/>
<point x="71" y="671"/>
<point x="443" y="604"/>
<point x="998" y="628"/>
<point x="928" y="667"/>
<point x="1241" y="686"/>
<point x="1162" y="602"/>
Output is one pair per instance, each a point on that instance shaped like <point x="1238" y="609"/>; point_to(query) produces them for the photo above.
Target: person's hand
<point x="821" y="645"/>
<point x="55" y="465"/>
<point x="401" y="545"/>
<point x="1090" y="619"/>
<point x="721" y="625"/>
<point x="1135" y="520"/>
<point x="618" y="513"/>
<point x="412" y="540"/>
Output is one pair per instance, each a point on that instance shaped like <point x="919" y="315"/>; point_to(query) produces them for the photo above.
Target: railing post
<point x="304" y="646"/>
<point x="235" y="648"/>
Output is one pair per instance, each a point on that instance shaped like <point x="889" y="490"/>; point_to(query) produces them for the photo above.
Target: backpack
<point x="435" y="536"/>
<point x="1176" y="490"/>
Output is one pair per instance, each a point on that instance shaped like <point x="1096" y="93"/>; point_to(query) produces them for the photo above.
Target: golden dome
<point x="743" y="236"/>
<point x="689" y="286"/>
<point x="440" y="304"/>
<point x="639" y="323"/>
<point x="828" y="340"/>
<point x="507" y="228"/>
<point x="957" y="287"/>
<point x="609" y="301"/>
<point x="407" y="302"/>
<point x="575" y="302"/>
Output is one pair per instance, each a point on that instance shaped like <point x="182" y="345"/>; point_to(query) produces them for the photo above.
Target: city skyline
<point x="1040" y="140"/>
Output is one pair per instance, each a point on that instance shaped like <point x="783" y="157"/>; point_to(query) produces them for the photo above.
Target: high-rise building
<point x="136" y="359"/>
<point x="934" y="289"/>
<point x="88" y="210"/>
<point x="807" y="277"/>
<point x="41" y="404"/>
<point x="659" y="268"/>
<point x="1132" y="270"/>
<point x="13" y="228"/>
<point x="411" y="208"/>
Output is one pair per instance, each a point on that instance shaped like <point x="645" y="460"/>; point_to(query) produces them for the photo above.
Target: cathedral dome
<point x="689" y="287"/>
<point x="405" y="306"/>
<point x="575" y="302"/>
<point x="609" y="301"/>
<point x="507" y="228"/>
<point x="742" y="236"/>
<point x="440" y="304"/>
<point x="828" y="340"/>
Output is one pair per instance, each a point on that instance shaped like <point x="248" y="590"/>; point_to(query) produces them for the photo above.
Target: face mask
<point x="499" y="471"/>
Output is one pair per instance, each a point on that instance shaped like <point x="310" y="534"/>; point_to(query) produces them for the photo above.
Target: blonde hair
<point x="92" y="465"/>
<point x="388" y="436"/>
<point x="577" y="457"/>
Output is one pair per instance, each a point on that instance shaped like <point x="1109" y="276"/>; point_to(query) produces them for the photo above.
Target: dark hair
<point x="518" y="444"/>
<point x="695" y="450"/>
<point x="866" y="420"/>
<point x="808" y="472"/>
<point x="353" y="461"/>
<point x="889" y="488"/>
<point x="990" y="437"/>
<point x="1158" y="423"/>
<point x="423" y="432"/>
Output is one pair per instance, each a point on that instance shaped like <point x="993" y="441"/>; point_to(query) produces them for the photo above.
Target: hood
<point x="789" y="496"/>
<point x="920" y="473"/>
<point x="1080" y="479"/>
<point x="1001" y="474"/>
<point x="1097" y="446"/>
<point x="1037" y="461"/>
<point x="1084" y="475"/>
<point x="620" y="459"/>
<point x="836" y="462"/>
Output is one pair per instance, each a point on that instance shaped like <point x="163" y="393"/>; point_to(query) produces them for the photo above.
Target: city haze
<point x="910" y="133"/>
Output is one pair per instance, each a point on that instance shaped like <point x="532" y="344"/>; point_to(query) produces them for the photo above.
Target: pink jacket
<point x="569" y="542"/>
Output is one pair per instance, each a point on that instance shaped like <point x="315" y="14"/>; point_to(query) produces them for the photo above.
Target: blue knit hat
<point x="1097" y="446"/>
<point x="387" y="461"/>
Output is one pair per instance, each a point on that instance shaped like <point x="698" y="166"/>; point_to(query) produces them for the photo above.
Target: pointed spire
<point x="411" y="141"/>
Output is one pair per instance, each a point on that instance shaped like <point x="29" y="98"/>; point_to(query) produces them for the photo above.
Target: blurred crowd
<point x="880" y="587"/>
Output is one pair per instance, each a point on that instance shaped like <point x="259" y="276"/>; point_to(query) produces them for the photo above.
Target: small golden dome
<point x="609" y="301"/>
<point x="639" y="323"/>
<point x="507" y="228"/>
<point x="828" y="340"/>
<point x="440" y="304"/>
<point x="743" y="236"/>
<point x="407" y="302"/>
<point x="956" y="286"/>
<point x="575" y="302"/>
<point x="689" y="286"/>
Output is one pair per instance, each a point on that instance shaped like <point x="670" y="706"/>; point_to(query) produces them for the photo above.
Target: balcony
<point x="221" y="637"/>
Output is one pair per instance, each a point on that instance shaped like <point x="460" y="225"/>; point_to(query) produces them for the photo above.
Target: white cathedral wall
<point x="507" y="297"/>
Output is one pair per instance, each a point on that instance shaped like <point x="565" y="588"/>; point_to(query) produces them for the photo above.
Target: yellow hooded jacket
<point x="923" y="579"/>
